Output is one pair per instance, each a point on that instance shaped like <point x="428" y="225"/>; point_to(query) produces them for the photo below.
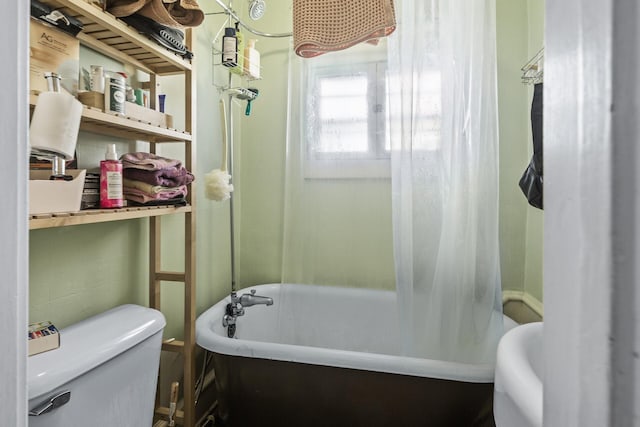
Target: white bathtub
<point x="343" y="333"/>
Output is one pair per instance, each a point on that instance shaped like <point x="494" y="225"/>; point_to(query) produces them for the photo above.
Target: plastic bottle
<point x="96" y="82"/>
<point x="251" y="60"/>
<point x="239" y="68"/>
<point x="114" y="93"/>
<point x="111" y="180"/>
<point x="229" y="48"/>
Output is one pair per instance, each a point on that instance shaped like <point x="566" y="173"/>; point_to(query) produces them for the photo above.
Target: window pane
<point x="343" y="108"/>
<point x="344" y="137"/>
<point x="343" y="114"/>
<point x="344" y="85"/>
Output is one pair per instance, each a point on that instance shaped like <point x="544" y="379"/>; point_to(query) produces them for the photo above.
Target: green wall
<point x="79" y="271"/>
<point x="533" y="262"/>
<point x="520" y="28"/>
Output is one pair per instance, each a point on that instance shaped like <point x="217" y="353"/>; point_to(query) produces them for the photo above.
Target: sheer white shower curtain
<point x="428" y="106"/>
<point x="444" y="140"/>
<point x="337" y="211"/>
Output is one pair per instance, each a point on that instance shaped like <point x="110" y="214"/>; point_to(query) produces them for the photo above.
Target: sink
<point x="517" y="399"/>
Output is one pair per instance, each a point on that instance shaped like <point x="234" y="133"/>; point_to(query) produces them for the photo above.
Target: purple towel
<point x="171" y="177"/>
<point x="148" y="161"/>
<point x="143" y="197"/>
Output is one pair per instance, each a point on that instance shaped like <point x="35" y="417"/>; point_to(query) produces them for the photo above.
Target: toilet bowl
<point x="103" y="374"/>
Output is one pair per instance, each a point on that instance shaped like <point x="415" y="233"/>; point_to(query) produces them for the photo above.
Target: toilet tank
<point x="108" y="364"/>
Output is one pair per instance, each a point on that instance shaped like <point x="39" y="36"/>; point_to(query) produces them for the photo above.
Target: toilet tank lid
<point x="90" y="343"/>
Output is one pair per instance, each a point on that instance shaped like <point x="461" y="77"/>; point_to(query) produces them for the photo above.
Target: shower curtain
<point x="337" y="211"/>
<point x="392" y="175"/>
<point x="444" y="157"/>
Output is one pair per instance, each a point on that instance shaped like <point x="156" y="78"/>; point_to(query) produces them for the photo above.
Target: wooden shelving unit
<point x="97" y="121"/>
<point x="94" y="216"/>
<point x="113" y="38"/>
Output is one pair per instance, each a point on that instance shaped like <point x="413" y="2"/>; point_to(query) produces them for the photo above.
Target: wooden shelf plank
<point x="92" y="216"/>
<point x="97" y="121"/>
<point x="170" y="276"/>
<point x="94" y="120"/>
<point x="174" y="346"/>
<point x="99" y="22"/>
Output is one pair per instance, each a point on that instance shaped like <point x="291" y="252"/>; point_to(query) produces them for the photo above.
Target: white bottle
<point x="251" y="60"/>
<point x="96" y="81"/>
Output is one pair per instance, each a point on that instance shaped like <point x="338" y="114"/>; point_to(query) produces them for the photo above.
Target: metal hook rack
<point x="533" y="71"/>
<point x="216" y="52"/>
<point x="232" y="14"/>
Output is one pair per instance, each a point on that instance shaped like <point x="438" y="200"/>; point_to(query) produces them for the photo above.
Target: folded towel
<point x="148" y="161"/>
<point x="185" y="12"/>
<point x="143" y="197"/>
<point x="172" y="202"/>
<point x="143" y="186"/>
<point x="173" y="13"/>
<point x="171" y="177"/>
<point x="321" y="26"/>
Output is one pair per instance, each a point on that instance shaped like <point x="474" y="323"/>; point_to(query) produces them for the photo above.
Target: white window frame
<point x="373" y="163"/>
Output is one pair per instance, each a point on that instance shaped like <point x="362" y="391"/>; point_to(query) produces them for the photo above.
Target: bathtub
<point x="311" y="359"/>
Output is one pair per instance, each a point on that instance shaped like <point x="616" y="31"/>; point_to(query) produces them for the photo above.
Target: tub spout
<point x="247" y="300"/>
<point x="236" y="308"/>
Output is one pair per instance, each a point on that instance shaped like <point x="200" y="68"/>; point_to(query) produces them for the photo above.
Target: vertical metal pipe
<point x="231" y="212"/>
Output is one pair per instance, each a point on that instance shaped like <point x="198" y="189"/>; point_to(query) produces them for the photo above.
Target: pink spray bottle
<point x="111" y="179"/>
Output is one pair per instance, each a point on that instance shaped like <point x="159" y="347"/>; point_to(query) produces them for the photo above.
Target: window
<point x="346" y="115"/>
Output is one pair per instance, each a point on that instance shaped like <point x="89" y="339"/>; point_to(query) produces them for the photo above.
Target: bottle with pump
<point x="239" y="68"/>
<point x="229" y="48"/>
<point x="111" y="180"/>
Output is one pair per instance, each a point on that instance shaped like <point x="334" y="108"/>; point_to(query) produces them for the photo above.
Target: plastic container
<point x="96" y="81"/>
<point x="111" y="180"/>
<point x="114" y="94"/>
<point x="251" y="60"/>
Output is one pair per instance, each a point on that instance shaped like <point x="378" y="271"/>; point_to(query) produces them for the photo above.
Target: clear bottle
<point x="111" y="180"/>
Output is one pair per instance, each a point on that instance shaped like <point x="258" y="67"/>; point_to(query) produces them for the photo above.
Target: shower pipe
<point x="232" y="246"/>
<point x="235" y="16"/>
<point x="231" y="94"/>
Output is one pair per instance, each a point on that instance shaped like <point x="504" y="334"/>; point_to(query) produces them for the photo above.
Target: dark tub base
<point x="265" y="393"/>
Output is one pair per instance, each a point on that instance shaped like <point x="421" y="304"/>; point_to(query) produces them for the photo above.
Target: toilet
<point x="103" y="374"/>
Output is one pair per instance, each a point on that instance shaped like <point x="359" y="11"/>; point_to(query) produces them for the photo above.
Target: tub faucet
<point x="236" y="307"/>
<point x="247" y="300"/>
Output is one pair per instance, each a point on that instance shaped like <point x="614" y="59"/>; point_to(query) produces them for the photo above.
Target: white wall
<point x="13" y="216"/>
<point x="591" y="341"/>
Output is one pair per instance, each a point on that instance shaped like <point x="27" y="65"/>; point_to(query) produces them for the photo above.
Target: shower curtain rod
<point x="233" y="14"/>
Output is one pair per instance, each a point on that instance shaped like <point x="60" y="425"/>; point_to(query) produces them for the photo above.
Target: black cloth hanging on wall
<point x="531" y="180"/>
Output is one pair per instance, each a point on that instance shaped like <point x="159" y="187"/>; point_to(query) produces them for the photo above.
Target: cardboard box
<point x="52" y="50"/>
<point x="46" y="196"/>
<point x="132" y="111"/>
<point x="43" y="336"/>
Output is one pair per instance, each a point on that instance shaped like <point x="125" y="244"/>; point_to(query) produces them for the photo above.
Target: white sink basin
<point x="517" y="399"/>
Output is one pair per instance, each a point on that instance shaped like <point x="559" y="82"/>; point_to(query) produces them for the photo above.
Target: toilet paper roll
<point x="55" y="124"/>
